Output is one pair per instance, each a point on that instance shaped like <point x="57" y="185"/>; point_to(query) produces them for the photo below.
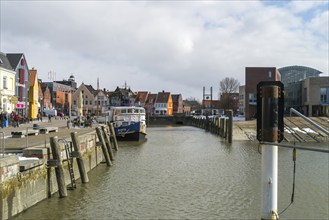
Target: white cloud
<point x="304" y="6"/>
<point x="173" y="46"/>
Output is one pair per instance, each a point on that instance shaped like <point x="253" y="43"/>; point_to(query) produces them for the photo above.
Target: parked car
<point x="73" y="115"/>
<point x="51" y="112"/>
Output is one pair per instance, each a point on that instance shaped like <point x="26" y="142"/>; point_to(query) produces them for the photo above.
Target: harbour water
<point x="187" y="173"/>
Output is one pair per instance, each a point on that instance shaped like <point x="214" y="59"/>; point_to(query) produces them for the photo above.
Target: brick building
<point x="254" y="75"/>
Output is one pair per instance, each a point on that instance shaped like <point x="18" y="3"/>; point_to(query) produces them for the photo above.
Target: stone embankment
<point x="27" y="180"/>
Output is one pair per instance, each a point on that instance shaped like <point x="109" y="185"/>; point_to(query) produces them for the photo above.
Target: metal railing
<point x="297" y="147"/>
<point x="292" y="110"/>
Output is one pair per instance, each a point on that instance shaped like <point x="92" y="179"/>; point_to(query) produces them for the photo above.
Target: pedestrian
<point x="3" y="119"/>
<point x="16" y="120"/>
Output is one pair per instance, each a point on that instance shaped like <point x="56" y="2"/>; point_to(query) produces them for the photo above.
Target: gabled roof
<point x="141" y="97"/>
<point x="123" y="90"/>
<point x="163" y="97"/>
<point x="4" y="63"/>
<point x="14" y="59"/>
<point x="175" y="97"/>
<point x="91" y="89"/>
<point x="151" y="98"/>
<point x="100" y="92"/>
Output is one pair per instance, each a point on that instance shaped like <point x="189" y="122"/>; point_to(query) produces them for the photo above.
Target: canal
<point x="187" y="173"/>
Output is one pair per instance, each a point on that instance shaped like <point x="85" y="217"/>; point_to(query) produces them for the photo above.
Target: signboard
<point x="20" y="105"/>
<point x="14" y="100"/>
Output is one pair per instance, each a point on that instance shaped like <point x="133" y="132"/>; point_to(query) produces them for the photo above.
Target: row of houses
<point x="21" y="91"/>
<point x="97" y="102"/>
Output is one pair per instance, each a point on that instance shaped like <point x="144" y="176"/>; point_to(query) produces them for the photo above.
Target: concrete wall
<point x="311" y="95"/>
<point x="20" y="190"/>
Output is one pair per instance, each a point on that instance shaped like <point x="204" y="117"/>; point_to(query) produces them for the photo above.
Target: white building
<point x="7" y="84"/>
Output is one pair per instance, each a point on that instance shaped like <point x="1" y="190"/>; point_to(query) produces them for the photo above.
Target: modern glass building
<point x="292" y="77"/>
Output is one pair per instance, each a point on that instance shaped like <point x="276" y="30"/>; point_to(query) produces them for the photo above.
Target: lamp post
<point x="41" y="107"/>
<point x="69" y="122"/>
<point x="70" y="103"/>
<point x="26" y="96"/>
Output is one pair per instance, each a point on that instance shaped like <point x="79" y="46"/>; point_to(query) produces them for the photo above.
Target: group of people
<point x="6" y="119"/>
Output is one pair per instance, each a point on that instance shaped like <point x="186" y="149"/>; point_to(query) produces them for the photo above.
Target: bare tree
<point x="228" y="85"/>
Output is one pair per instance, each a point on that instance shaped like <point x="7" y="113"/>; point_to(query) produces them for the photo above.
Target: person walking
<point x="3" y="119"/>
<point x="16" y="120"/>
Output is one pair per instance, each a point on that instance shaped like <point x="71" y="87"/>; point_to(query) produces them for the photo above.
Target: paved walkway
<point x="17" y="144"/>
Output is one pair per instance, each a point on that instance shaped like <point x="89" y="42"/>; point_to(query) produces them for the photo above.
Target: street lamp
<point x="69" y="123"/>
<point x="27" y="84"/>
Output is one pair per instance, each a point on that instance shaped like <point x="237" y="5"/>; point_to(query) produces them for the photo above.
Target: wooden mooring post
<point x="55" y="148"/>
<point x="113" y="136"/>
<point x="229" y="130"/>
<point x="81" y="166"/>
<point x="108" y="142"/>
<point x="221" y="127"/>
<point x="103" y="145"/>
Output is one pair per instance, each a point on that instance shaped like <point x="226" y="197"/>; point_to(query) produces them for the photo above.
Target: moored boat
<point x="129" y="123"/>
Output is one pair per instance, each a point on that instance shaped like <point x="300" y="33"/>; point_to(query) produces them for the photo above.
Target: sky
<point x="175" y="46"/>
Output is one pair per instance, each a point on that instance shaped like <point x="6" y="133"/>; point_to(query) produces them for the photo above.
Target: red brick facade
<point x="254" y="75"/>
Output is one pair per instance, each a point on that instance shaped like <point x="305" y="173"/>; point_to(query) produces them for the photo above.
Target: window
<point x="252" y="98"/>
<point x="4" y="82"/>
<point x="305" y="95"/>
<point x="74" y="102"/>
<point x="324" y="95"/>
<point x="86" y="102"/>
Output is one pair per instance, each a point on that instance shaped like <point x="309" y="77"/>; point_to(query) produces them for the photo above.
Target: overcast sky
<point x="176" y="46"/>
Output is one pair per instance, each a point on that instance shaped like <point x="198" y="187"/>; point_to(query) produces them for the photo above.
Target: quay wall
<point x="167" y="120"/>
<point x="21" y="189"/>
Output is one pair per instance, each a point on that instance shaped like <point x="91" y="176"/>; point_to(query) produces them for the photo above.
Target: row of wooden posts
<point x="107" y="141"/>
<point x="222" y="126"/>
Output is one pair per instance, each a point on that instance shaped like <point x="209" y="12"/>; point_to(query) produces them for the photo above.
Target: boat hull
<point x="132" y="132"/>
<point x="136" y="136"/>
